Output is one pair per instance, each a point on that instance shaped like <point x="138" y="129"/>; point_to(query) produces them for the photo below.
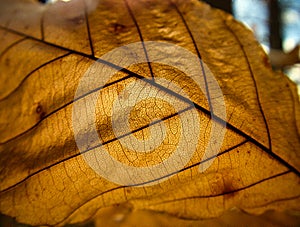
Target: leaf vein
<point x="140" y="35"/>
<point x="32" y="72"/>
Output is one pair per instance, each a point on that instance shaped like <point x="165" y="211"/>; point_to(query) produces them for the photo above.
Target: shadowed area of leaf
<point x="122" y="217"/>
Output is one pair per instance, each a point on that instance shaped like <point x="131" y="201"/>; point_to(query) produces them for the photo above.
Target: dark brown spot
<point x="229" y="191"/>
<point x="39" y="109"/>
<point x="228" y="187"/>
<point x="40" y="112"/>
<point x="7" y="61"/>
<point x="168" y="8"/>
<point x="117" y="28"/>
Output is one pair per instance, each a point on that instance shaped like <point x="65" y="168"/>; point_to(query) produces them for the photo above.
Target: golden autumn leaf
<point x="57" y="90"/>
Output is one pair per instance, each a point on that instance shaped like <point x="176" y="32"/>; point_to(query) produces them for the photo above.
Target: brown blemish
<point x="117" y="28"/>
<point x="7" y="61"/>
<point x="40" y="112"/>
<point x="228" y="190"/>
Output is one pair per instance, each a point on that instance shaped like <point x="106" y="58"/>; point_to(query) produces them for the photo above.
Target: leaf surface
<point x="46" y="50"/>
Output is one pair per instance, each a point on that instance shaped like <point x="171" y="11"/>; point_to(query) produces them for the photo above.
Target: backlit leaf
<point x="47" y="49"/>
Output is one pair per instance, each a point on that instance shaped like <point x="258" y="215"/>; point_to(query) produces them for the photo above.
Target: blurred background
<point x="276" y="25"/>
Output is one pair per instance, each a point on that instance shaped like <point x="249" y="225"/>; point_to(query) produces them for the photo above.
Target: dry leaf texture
<point x="47" y="49"/>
